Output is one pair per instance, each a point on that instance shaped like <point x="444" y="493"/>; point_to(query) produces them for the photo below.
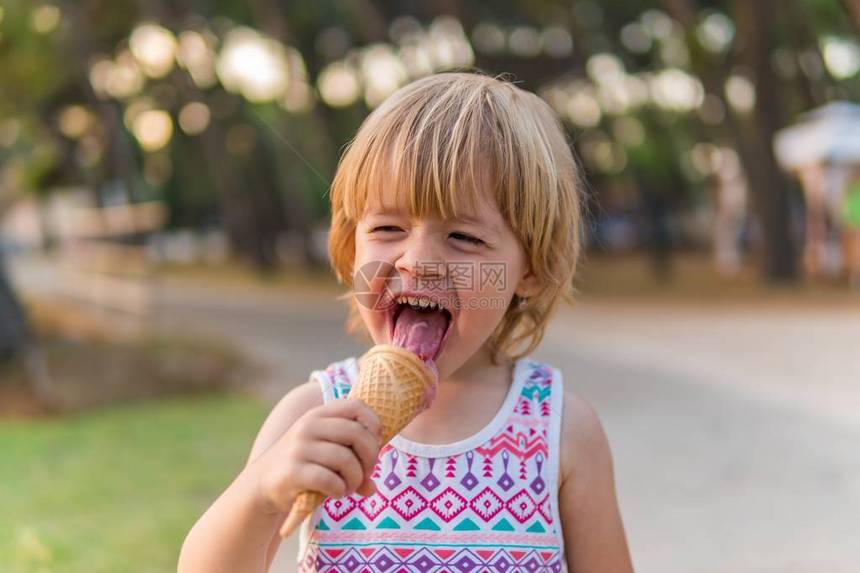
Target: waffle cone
<point x="397" y="385"/>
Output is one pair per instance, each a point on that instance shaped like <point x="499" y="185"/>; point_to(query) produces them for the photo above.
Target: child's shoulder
<point x="583" y="440"/>
<point x="579" y="420"/>
<point x="581" y="437"/>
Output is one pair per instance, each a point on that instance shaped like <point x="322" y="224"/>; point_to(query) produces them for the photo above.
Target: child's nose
<point x="421" y="259"/>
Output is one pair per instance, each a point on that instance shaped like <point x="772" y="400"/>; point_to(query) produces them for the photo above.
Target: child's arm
<point x="594" y="539"/>
<point x="302" y="445"/>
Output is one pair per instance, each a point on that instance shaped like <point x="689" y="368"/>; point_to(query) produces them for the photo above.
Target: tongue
<point x="420" y="332"/>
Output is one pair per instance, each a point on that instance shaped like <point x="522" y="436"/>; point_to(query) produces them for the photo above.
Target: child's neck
<point x="465" y="402"/>
<point x="479" y="368"/>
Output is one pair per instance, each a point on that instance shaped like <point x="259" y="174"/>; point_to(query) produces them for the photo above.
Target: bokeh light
<point x="842" y="56"/>
<point x="557" y="41"/>
<point x="194" y="118"/>
<point x="605" y="67"/>
<point x="489" y="38"/>
<point x="449" y="46"/>
<point x="120" y="79"/>
<point x="524" y="42"/>
<point x="676" y="90"/>
<point x="382" y="72"/>
<point x="253" y="65"/>
<point x="339" y="84"/>
<point x="153" y="129"/>
<point x="416" y="59"/>
<point x="154" y="48"/>
<point x="74" y="121"/>
<point x="582" y="107"/>
<point x="741" y="93"/>
<point x="195" y="54"/>
<point x="716" y="32"/>
<point x="45" y="18"/>
<point x="657" y="24"/>
<point x="635" y="38"/>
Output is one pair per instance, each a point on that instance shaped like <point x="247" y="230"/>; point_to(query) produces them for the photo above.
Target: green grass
<point x="117" y="490"/>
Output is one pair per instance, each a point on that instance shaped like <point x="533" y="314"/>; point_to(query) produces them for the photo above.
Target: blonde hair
<point x="425" y="138"/>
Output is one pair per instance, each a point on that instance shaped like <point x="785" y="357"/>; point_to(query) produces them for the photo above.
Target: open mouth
<point x="420" y="325"/>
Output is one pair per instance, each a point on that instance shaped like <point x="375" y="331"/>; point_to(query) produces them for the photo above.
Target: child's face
<point x="473" y="265"/>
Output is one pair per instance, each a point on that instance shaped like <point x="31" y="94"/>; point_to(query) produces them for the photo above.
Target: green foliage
<point x="293" y="154"/>
<point x="31" y="63"/>
<point x="117" y="490"/>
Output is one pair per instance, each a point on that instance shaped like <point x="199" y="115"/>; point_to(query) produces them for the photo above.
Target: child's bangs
<point x="432" y="163"/>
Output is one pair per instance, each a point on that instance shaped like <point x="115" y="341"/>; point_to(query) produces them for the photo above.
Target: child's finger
<point x="351" y="434"/>
<point x="339" y="459"/>
<point x="315" y="477"/>
<point x="354" y="410"/>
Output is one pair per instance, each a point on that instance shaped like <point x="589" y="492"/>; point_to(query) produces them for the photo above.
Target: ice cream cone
<point x="397" y="385"/>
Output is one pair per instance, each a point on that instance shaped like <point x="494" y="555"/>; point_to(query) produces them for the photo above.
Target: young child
<point x="455" y="221"/>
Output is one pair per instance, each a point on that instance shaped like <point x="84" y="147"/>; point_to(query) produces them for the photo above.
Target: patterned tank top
<point x="488" y="502"/>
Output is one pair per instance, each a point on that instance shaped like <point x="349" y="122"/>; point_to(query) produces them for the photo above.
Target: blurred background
<point x="163" y="271"/>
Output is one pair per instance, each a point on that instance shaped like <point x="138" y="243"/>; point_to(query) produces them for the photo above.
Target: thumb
<point x="367" y="487"/>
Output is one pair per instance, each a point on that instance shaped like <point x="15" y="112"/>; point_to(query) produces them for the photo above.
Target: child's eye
<point x="386" y="229"/>
<point x="467" y="238"/>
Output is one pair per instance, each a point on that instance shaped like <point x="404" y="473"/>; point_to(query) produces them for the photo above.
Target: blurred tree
<point x="14" y="333"/>
<point x="18" y="343"/>
<point x="13" y="322"/>
<point x="260" y="168"/>
<point x="769" y="186"/>
<point x="121" y="164"/>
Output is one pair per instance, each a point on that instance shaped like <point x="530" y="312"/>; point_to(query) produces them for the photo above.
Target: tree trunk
<point x="121" y="163"/>
<point x="18" y="343"/>
<point x="769" y="186"/>
<point x="13" y="322"/>
<point x="804" y="37"/>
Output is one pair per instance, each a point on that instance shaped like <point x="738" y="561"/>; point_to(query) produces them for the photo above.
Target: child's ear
<point x="528" y="285"/>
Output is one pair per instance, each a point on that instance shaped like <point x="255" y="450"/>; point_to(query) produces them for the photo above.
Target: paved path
<point x="735" y="431"/>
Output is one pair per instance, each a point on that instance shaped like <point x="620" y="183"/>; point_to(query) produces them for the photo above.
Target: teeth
<point x="419" y="302"/>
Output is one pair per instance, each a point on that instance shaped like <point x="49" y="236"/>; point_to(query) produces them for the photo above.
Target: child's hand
<point x="330" y="449"/>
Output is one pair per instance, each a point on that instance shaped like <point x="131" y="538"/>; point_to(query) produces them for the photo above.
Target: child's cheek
<point x="376" y="325"/>
<point x="480" y="315"/>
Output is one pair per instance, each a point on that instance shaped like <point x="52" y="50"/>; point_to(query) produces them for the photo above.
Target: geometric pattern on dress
<point x="425" y="559"/>
<point x="483" y="509"/>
